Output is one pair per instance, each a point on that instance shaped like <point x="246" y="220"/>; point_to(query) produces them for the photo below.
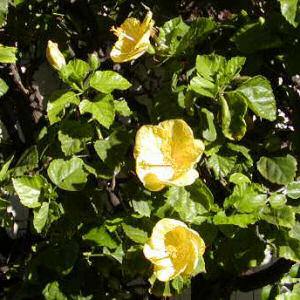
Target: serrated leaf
<point x="203" y="87"/>
<point x="3" y="87"/>
<point x="101" y="236"/>
<point x="136" y="234"/>
<point x="7" y="54"/>
<point x="58" y="102"/>
<point x="209" y="65"/>
<point x="234" y="109"/>
<point x="142" y="207"/>
<point x="280" y="170"/>
<point x="73" y="136"/>
<point x="78" y="69"/>
<point x="282" y="216"/>
<point x="277" y="200"/>
<point x="293" y="190"/>
<point x="234" y="66"/>
<point x="102" y="109"/>
<point x="259" y="96"/>
<point x="69" y="175"/>
<point x="107" y="81"/>
<point x="29" y="189"/>
<point x="239" y="178"/>
<point x="221" y="164"/>
<point x="40" y="217"/>
<point x="295" y="231"/>
<point x="241" y="220"/>
<point x="169" y="35"/>
<point x="122" y="108"/>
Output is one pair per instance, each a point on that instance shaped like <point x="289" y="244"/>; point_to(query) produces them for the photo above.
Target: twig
<point x="17" y="79"/>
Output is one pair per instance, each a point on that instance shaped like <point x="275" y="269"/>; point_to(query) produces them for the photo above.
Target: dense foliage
<point x="229" y="70"/>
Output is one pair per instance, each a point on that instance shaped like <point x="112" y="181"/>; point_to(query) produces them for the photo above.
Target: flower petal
<point x="186" y="178"/>
<point x="164" y="274"/>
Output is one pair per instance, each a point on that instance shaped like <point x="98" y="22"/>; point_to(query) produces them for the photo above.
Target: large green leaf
<point x="3" y="87"/>
<point x="280" y="216"/>
<point x="40" y="217"/>
<point x="7" y="54"/>
<point x="58" y="101"/>
<point x="69" y="174"/>
<point x="170" y="34"/>
<point x="280" y="170"/>
<point x="122" y="108"/>
<point x="101" y="236"/>
<point x="290" y="10"/>
<point x="29" y="189"/>
<point x="107" y="81"/>
<point x="76" y="70"/>
<point x="259" y="96"/>
<point x="241" y="220"/>
<point x="73" y="136"/>
<point x="234" y="109"/>
<point x="136" y="234"/>
<point x="102" y="109"/>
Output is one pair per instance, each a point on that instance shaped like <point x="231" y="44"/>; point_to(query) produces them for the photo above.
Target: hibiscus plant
<point x="149" y="148"/>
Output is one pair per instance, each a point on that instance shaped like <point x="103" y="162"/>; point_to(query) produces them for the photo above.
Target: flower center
<point x="118" y="31"/>
<point x="172" y="251"/>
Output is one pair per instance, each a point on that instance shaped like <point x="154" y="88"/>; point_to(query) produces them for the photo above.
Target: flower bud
<point x="94" y="61"/>
<point x="54" y="56"/>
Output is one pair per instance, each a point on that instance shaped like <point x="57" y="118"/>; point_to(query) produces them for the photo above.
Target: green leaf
<point x="136" y="234"/>
<point x="122" y="108"/>
<point x="203" y="87"/>
<point x="52" y="292"/>
<point x="112" y="150"/>
<point x="290" y="10"/>
<point x="107" y="81"/>
<point x="170" y="34"/>
<point x="40" y="217"/>
<point x="280" y="170"/>
<point x="7" y="54"/>
<point x="207" y="124"/>
<point x="3" y="87"/>
<point x="239" y="178"/>
<point x="277" y="200"/>
<point x="73" y="136"/>
<point x="234" y="66"/>
<point x="209" y="65"/>
<point x="246" y="198"/>
<point x="234" y="109"/>
<point x="69" y="175"/>
<point x="222" y="165"/>
<point x="293" y="190"/>
<point x="198" y="31"/>
<point x="101" y="236"/>
<point x="4" y="168"/>
<point x="29" y="189"/>
<point x="58" y="101"/>
<point x="241" y="220"/>
<point x="142" y="207"/>
<point x="192" y="205"/>
<point x="255" y="36"/>
<point x="282" y="216"/>
<point x="295" y="231"/>
<point x="27" y="162"/>
<point x="102" y="109"/>
<point x="3" y="11"/>
<point x="259" y="96"/>
<point x="79" y="68"/>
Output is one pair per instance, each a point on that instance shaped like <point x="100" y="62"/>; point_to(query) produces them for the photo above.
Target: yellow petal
<point x="186" y="178"/>
<point x="133" y="39"/>
<point x="152" y="183"/>
<point x="164" y="274"/>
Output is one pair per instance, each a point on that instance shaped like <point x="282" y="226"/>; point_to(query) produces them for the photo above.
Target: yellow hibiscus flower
<point x="54" y="56"/>
<point x="174" y="249"/>
<point x="166" y="154"/>
<point x="133" y="39"/>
